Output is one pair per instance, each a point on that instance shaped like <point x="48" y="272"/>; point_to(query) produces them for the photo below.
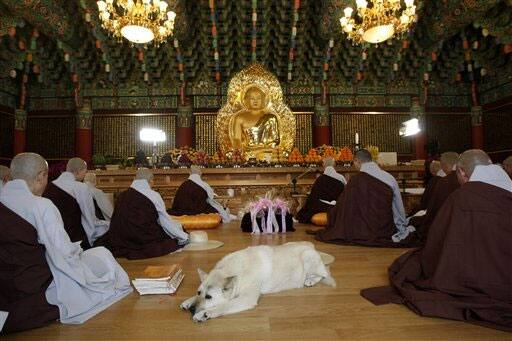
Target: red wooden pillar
<point x="185" y="126"/>
<point x="322" y="128"/>
<point x="477" y="128"/>
<point x="420" y="139"/>
<point x="83" y="132"/>
<point x="20" y="135"/>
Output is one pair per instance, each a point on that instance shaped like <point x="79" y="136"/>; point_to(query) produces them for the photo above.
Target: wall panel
<point x="6" y="134"/>
<point x="118" y="135"/>
<point x="378" y="129"/>
<point x="452" y="131"/>
<point x="498" y="130"/>
<point x="52" y="137"/>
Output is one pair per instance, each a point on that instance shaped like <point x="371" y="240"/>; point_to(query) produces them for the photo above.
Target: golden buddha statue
<point x="255" y="120"/>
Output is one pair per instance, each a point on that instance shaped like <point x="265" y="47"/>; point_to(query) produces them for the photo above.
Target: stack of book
<point x="159" y="280"/>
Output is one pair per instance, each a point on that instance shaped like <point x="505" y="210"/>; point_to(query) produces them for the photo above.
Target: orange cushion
<point x="199" y="221"/>
<point x="319" y="219"/>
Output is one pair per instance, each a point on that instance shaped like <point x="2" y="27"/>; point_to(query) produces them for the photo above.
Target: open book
<point x="159" y="280"/>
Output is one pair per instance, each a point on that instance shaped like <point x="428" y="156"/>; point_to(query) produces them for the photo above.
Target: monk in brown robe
<point x="369" y="211"/>
<point x="463" y="271"/>
<point x="195" y="196"/>
<point x="327" y="188"/>
<point x="21" y="254"/>
<point x="443" y="188"/>
<point x="140" y="226"/>
<point x="507" y="166"/>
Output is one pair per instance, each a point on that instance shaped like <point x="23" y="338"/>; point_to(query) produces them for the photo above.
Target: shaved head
<point x="144" y="174"/>
<point x="76" y="164"/>
<point x="468" y="161"/>
<point x="26" y="166"/>
<point x="329" y="162"/>
<point x="5" y="173"/>
<point x="434" y="167"/>
<point x="448" y="160"/>
<point x="363" y="155"/>
<point x="33" y="169"/>
<point x="195" y="170"/>
<point x="90" y="177"/>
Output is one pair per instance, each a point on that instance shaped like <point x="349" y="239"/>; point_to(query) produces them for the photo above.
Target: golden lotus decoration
<point x="139" y="21"/>
<point x="255" y="118"/>
<point x="378" y="20"/>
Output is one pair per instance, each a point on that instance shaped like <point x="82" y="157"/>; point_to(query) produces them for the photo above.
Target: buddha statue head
<point x="255" y="99"/>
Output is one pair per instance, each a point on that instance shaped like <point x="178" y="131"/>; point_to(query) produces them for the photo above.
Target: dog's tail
<point x="328" y="279"/>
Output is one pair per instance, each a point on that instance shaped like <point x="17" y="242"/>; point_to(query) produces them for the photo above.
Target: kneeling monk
<point x="369" y="211"/>
<point x="140" y="226"/>
<point x="195" y="196"/>
<point x="44" y="276"/>
<point x="327" y="187"/>
<point x="76" y="204"/>
<point x="463" y="271"/>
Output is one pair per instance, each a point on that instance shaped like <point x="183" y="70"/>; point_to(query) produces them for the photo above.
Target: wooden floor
<point x="318" y="313"/>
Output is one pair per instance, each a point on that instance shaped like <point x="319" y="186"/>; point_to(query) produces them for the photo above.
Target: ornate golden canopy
<point x="239" y="111"/>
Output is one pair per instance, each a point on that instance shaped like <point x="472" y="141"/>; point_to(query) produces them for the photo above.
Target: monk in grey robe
<point x="76" y="204"/>
<point x="79" y="283"/>
<point x="102" y="204"/>
<point x="463" y="271"/>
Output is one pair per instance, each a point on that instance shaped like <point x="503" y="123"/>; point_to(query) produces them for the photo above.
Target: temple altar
<point x="248" y="183"/>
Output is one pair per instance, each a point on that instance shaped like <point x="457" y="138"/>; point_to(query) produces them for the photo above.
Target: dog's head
<point x="215" y="289"/>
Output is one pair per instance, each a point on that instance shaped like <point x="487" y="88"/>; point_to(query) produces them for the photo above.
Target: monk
<point x="443" y="188"/>
<point x="463" y="271"/>
<point x="369" y="211"/>
<point x="326" y="189"/>
<point x="76" y="204"/>
<point x="102" y="205"/>
<point x="5" y="175"/>
<point x="507" y="166"/>
<point x="44" y="276"/>
<point x="140" y="226"/>
<point x="195" y="196"/>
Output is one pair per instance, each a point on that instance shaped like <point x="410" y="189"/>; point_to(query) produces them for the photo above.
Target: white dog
<point x="237" y="281"/>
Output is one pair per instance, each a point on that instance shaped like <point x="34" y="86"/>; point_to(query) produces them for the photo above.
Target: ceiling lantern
<point x="376" y="21"/>
<point x="139" y="21"/>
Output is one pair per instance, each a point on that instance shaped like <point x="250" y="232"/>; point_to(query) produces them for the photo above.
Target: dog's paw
<point x="185" y="305"/>
<point x="311" y="281"/>
<point x="201" y="316"/>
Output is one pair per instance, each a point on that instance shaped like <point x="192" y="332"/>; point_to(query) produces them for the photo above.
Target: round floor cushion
<point x="199" y="221"/>
<point x="319" y="219"/>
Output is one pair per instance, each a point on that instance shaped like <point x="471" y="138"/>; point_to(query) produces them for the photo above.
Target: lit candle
<point x="357" y="138"/>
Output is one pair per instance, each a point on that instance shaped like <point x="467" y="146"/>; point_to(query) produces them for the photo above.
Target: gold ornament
<point x="255" y="118"/>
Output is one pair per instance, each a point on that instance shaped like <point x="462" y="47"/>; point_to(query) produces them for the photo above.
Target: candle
<point x="357" y="138"/>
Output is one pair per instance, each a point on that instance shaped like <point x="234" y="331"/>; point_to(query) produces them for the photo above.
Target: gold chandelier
<point x="139" y="21"/>
<point x="378" y="22"/>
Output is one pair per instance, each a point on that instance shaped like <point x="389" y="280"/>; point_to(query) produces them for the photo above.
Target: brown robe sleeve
<point x="463" y="272"/>
<point x="24" y="275"/>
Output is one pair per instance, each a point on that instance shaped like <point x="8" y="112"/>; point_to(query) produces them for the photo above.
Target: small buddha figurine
<point x="254" y="129"/>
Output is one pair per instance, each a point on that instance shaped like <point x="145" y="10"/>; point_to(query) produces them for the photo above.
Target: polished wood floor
<point x="318" y="313"/>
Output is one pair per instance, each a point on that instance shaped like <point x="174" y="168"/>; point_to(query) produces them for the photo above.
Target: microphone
<point x="294" y="180"/>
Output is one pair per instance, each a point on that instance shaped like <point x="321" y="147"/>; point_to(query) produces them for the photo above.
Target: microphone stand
<point x="294" y="180"/>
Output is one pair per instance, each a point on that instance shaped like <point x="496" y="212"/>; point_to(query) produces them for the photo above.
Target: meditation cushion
<point x="319" y="219"/>
<point x="199" y="221"/>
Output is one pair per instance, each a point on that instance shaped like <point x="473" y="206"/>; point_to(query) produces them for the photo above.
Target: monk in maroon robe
<point x="24" y="275"/>
<point x="140" y="227"/>
<point x="369" y="211"/>
<point x="442" y="190"/>
<point x="327" y="187"/>
<point x="190" y="199"/>
<point x="463" y="271"/>
<point x="70" y="212"/>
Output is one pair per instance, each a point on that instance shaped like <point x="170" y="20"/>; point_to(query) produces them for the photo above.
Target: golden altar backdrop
<point x="255" y="118"/>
